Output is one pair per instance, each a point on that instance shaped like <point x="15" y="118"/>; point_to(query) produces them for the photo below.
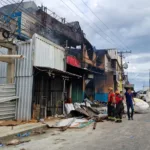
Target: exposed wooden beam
<point x="7" y="60"/>
<point x="12" y="56"/>
<point x="8" y="45"/>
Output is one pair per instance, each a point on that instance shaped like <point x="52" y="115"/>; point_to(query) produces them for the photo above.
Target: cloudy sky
<point x="119" y="24"/>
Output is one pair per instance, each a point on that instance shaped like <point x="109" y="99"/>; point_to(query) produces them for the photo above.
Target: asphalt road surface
<point x="129" y="135"/>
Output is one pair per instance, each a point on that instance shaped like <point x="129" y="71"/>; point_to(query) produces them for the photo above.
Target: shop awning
<point x="56" y="71"/>
<point x="81" y="70"/>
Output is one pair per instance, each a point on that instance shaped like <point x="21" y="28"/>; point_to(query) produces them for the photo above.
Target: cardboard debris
<point x="72" y="123"/>
<point x="68" y="125"/>
<point x="36" y="112"/>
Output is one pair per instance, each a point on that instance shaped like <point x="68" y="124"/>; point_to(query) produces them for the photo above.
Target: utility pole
<point x="122" y="70"/>
<point x="149" y="79"/>
<point x="64" y="78"/>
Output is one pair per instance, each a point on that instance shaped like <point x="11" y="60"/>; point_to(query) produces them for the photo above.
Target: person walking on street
<point x="129" y="102"/>
<point x="119" y="106"/>
<point x="111" y="104"/>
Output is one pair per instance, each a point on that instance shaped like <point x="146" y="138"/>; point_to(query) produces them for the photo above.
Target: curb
<point x="14" y="135"/>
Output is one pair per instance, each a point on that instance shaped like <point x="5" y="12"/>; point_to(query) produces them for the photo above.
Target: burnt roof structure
<point x="49" y="27"/>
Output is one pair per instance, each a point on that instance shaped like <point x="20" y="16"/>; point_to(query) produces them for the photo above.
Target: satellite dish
<point x="125" y="66"/>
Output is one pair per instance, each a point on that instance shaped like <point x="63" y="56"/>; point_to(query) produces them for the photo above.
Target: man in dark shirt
<point x="129" y="102"/>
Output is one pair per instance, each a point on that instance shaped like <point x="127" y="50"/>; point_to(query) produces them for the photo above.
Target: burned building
<point x="33" y="19"/>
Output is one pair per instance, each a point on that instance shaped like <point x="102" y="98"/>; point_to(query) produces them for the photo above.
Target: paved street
<point x="130" y="135"/>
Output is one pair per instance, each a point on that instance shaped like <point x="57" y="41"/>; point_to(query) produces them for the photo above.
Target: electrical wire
<point x="27" y="13"/>
<point x="94" y="23"/>
<point x="87" y="58"/>
<point x="9" y="16"/>
<point x="86" y="22"/>
<point x="40" y="23"/>
<point x="103" y="23"/>
<point x="14" y="10"/>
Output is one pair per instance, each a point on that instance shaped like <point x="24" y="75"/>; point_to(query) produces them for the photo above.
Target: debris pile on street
<point x="80" y="115"/>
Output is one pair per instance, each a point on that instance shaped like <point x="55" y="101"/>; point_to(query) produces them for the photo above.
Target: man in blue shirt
<point x="129" y="102"/>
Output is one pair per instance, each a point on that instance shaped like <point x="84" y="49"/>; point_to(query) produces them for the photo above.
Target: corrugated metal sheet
<point x="3" y="67"/>
<point x="8" y="102"/>
<point x="8" y="110"/>
<point x="24" y="67"/>
<point x="52" y="54"/>
<point x="24" y="91"/>
<point x="24" y="81"/>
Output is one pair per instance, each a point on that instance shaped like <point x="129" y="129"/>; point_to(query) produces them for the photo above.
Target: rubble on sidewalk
<point x="79" y="115"/>
<point x="72" y="123"/>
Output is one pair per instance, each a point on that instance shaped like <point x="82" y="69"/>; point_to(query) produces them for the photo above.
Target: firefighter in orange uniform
<point x="119" y="106"/>
<point x="111" y="104"/>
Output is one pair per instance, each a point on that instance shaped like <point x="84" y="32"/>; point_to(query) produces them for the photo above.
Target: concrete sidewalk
<point x="7" y="131"/>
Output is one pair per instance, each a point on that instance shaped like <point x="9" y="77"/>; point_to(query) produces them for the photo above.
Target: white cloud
<point x="135" y="66"/>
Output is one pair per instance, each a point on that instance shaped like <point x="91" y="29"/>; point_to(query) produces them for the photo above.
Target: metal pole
<point x="66" y="53"/>
<point x="149" y="79"/>
<point x="64" y="89"/>
<point x="122" y="70"/>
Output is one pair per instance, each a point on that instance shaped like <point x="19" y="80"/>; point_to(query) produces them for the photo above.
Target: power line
<point x="94" y="23"/>
<point x="10" y="16"/>
<point x="27" y="13"/>
<point x="87" y="22"/>
<point x="103" y="23"/>
<point x="53" y="29"/>
<point x="74" y="51"/>
<point x="42" y="24"/>
<point x="49" y="28"/>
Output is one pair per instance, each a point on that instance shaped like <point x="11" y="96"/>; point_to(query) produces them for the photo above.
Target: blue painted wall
<point x="102" y="97"/>
<point x="18" y="17"/>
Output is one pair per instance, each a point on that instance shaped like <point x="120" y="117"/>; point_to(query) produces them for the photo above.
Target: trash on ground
<point x="69" y="108"/>
<point x="39" y="132"/>
<point x="24" y="134"/>
<point x="63" y="128"/>
<point x="140" y="106"/>
<point x="72" y="123"/>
